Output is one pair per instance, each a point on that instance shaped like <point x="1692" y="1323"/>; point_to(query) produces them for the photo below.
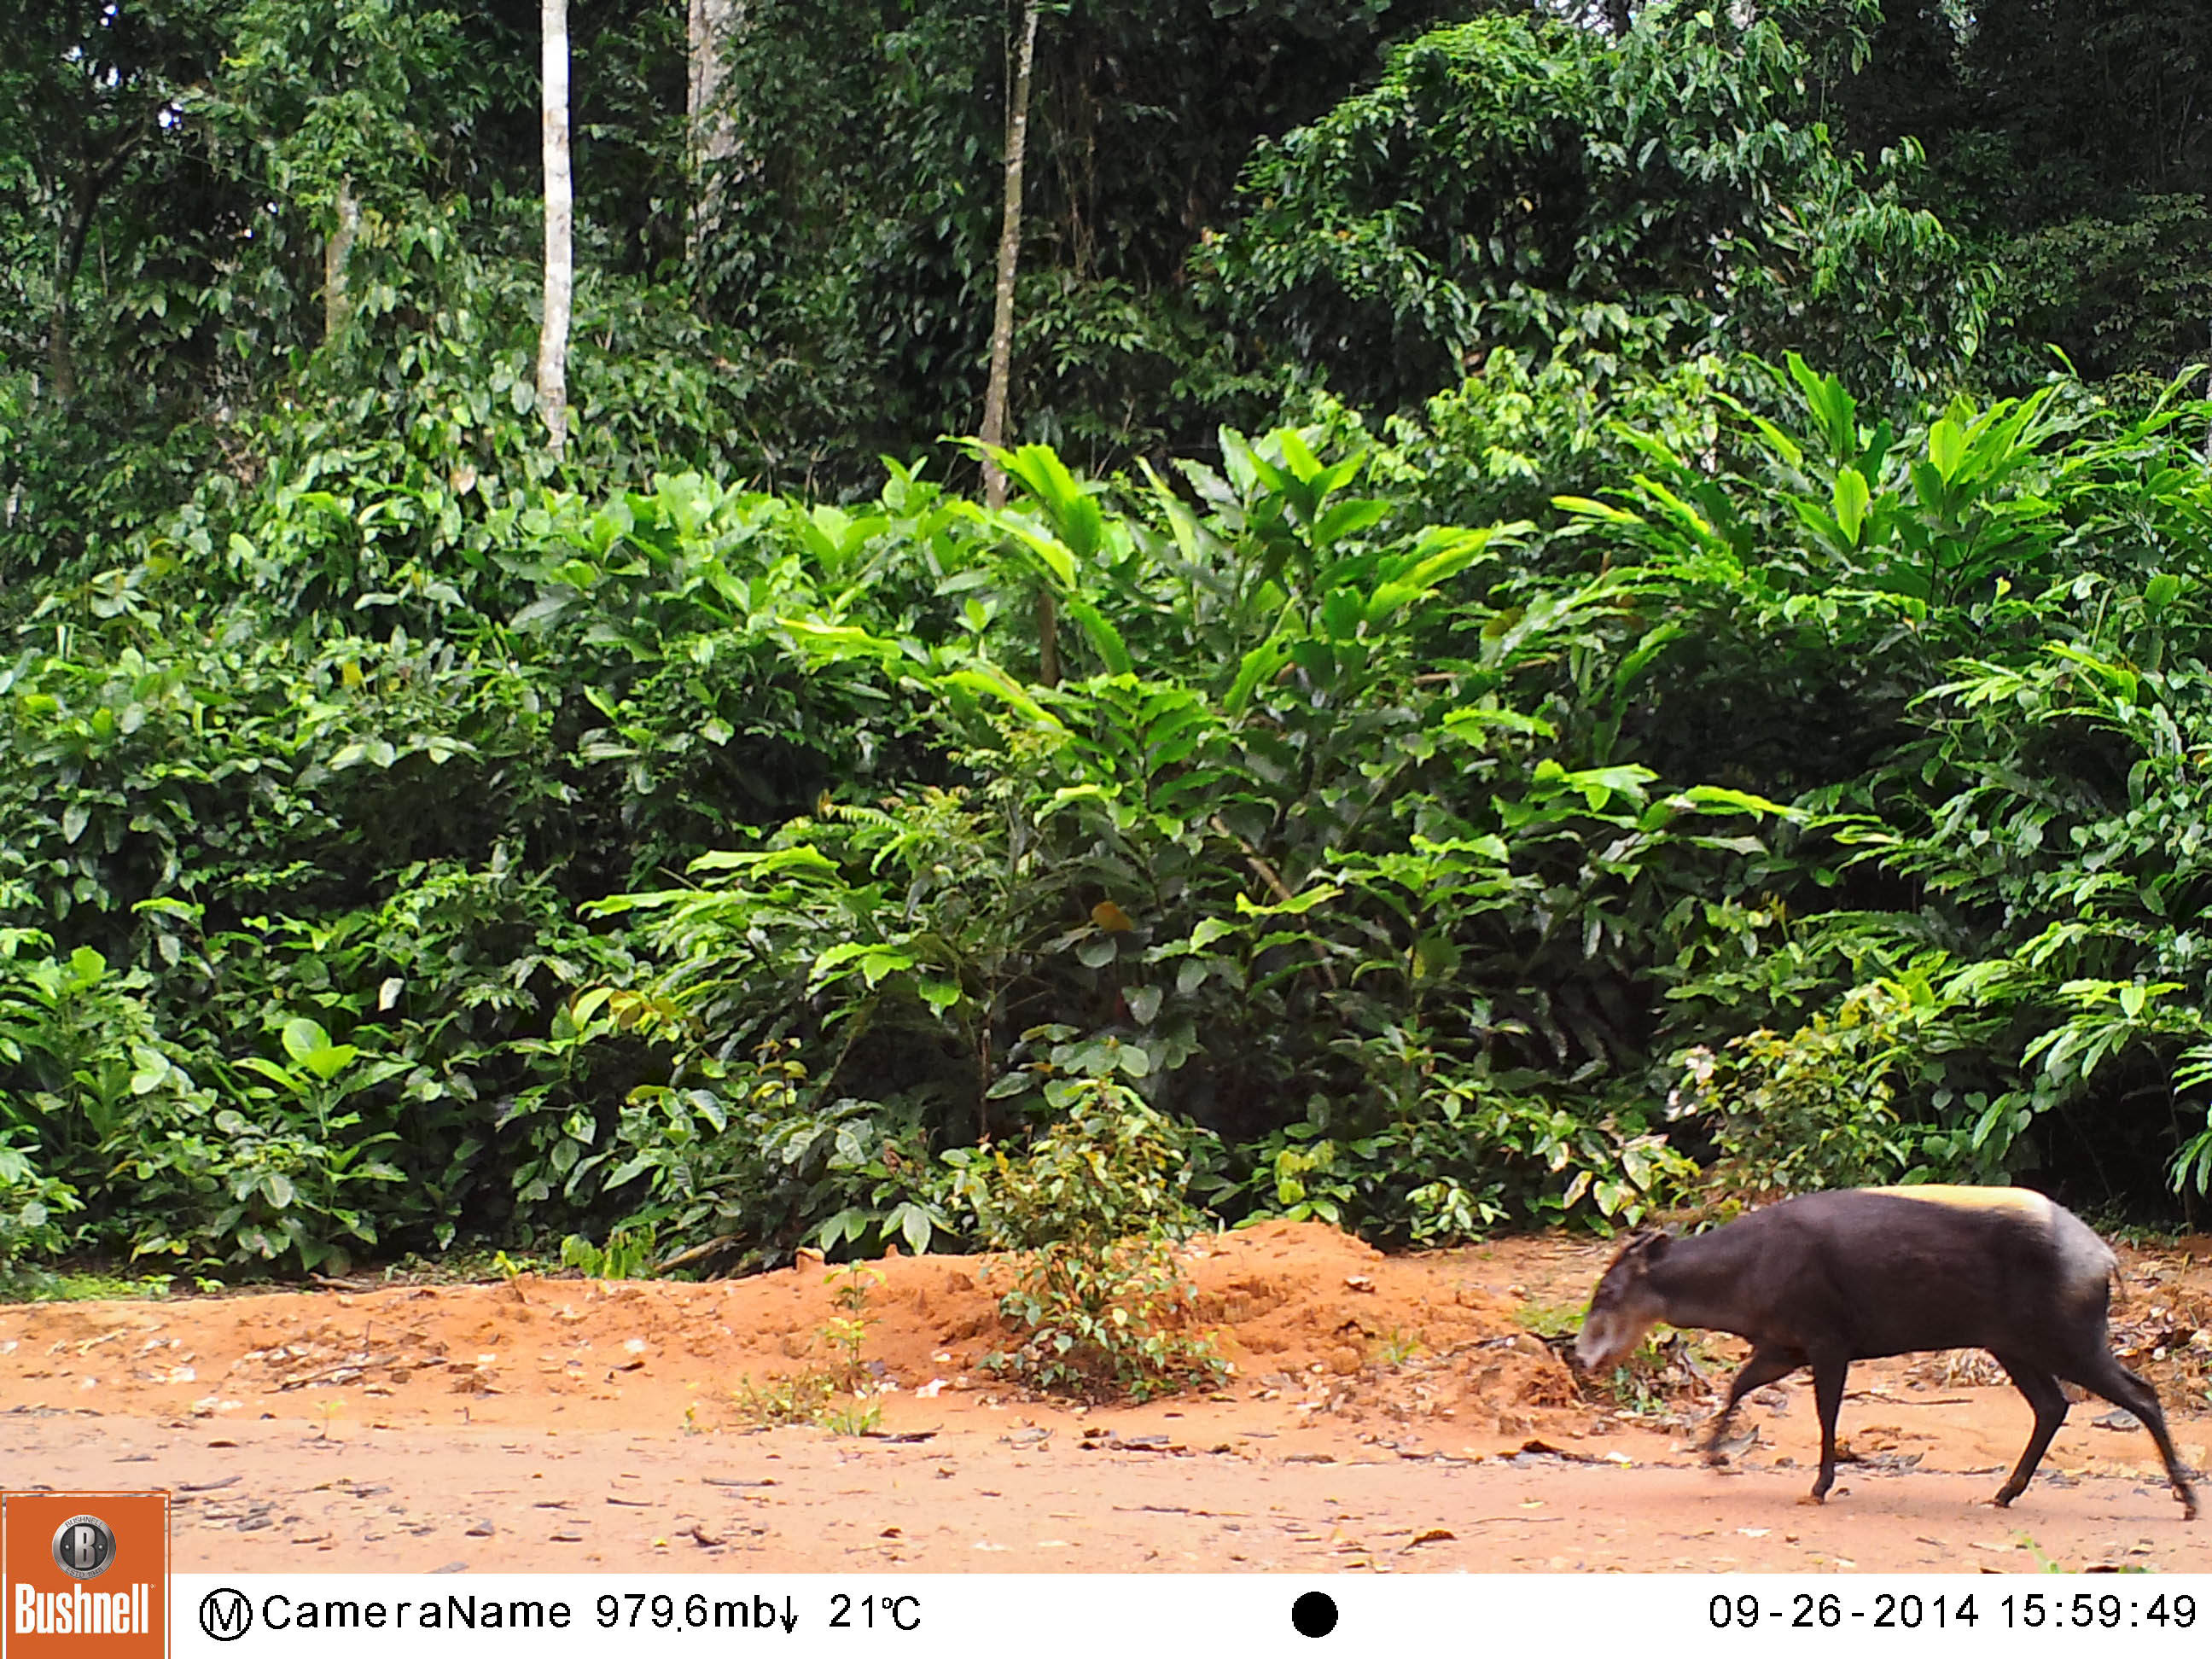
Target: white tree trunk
<point x="994" y="429"/>
<point x="713" y="136"/>
<point x="996" y="388"/>
<point x="337" y="247"/>
<point x="560" y="259"/>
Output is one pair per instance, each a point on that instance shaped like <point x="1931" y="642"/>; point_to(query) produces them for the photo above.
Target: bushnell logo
<point x="84" y="1546"/>
<point x="84" y="1575"/>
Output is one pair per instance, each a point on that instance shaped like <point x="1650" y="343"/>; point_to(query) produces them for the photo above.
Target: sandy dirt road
<point x="1386" y="1414"/>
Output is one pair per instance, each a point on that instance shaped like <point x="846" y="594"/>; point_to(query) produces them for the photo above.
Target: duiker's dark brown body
<point x="1828" y="1278"/>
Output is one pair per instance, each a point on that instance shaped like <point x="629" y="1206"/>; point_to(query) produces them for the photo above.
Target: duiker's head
<point x="1624" y="1305"/>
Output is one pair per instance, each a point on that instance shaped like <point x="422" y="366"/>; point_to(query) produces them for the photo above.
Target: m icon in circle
<point x="225" y="1614"/>
<point x="84" y="1546"/>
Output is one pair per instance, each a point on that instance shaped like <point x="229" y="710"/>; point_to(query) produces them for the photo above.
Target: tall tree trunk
<point x="76" y="229"/>
<point x="61" y="363"/>
<point x="994" y="429"/>
<point x="713" y="136"/>
<point x="560" y="266"/>
<point x="337" y="248"/>
<point x="995" y="390"/>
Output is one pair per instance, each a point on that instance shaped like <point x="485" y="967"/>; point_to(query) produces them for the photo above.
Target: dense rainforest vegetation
<point x="1576" y="607"/>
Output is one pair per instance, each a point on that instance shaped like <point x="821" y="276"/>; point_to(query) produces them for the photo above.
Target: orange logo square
<point x="84" y="1575"/>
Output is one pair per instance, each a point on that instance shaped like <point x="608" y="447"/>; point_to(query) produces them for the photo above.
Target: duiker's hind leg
<point x="1829" y="1370"/>
<point x="1764" y="1365"/>
<point x="2049" y="1400"/>
<point x="2103" y="1374"/>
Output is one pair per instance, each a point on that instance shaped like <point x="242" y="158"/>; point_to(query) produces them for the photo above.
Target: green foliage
<point x="628" y="1253"/>
<point x="31" y="1206"/>
<point x="1094" y="1208"/>
<point x="2090" y="205"/>
<point x="1458" y="1153"/>
<point x="412" y="844"/>
<point x="810" y="1396"/>
<point x="1522" y="430"/>
<point x="707" y="863"/>
<point x="848" y="1332"/>
<point x="39" y="1284"/>
<point x="801" y="1397"/>
<point x="1810" y="1110"/>
<point x="750" y="1159"/>
<point x="2004" y="809"/>
<point x="1520" y="182"/>
<point x="1199" y="846"/>
<point x="859" y="244"/>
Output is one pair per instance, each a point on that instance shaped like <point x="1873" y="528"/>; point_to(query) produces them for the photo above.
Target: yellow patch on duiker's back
<point x="1974" y="1198"/>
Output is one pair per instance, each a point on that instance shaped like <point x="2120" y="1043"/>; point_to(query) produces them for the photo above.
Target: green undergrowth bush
<point x="731" y="870"/>
<point x="1440" y="1154"/>
<point x="1529" y="181"/>
<point x="1093" y="1210"/>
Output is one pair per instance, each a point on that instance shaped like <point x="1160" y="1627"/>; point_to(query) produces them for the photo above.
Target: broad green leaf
<point x="1071" y="795"/>
<point x="993" y="681"/>
<point x="1054" y="555"/>
<point x="1785" y="447"/>
<point x="1303" y="462"/>
<point x="1071" y="508"/>
<point x="303" y="1036"/>
<point x="1262" y="662"/>
<point x="1296" y="905"/>
<point x="1349" y="518"/>
<point x="328" y="1062"/>
<point x="1832" y="407"/>
<point x="1581" y="507"/>
<point x="915" y="1226"/>
<point x="290" y="1081"/>
<point x="791" y="860"/>
<point x="1104" y="638"/>
<point x="1467" y="722"/>
<point x="1851" y="499"/>
<point x="1946" y="448"/>
<point x="1711" y="798"/>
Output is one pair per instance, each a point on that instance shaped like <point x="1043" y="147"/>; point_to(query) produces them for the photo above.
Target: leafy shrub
<point x="1809" y="1110"/>
<point x="1448" y="829"/>
<point x="1457" y="1153"/>
<point x="1094" y="1207"/>
<point x="31" y="1205"/>
<point x="749" y="1159"/>
<point x="628" y="1253"/>
<point x="1528" y="181"/>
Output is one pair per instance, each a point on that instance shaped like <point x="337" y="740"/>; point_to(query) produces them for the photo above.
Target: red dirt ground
<point x="1386" y="1414"/>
